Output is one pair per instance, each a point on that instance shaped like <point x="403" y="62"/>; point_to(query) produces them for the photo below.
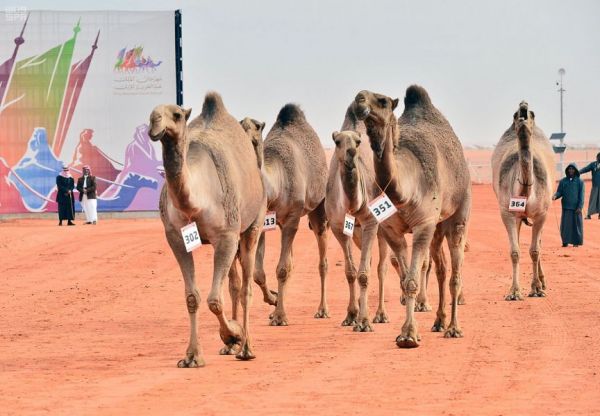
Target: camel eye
<point x="177" y="116"/>
<point x="382" y="102"/>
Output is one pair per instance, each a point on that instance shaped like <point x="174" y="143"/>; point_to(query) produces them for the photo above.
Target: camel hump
<point x="289" y="114"/>
<point x="416" y="96"/>
<point x="213" y="103"/>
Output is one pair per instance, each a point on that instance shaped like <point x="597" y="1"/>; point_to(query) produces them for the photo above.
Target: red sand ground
<point x="93" y="321"/>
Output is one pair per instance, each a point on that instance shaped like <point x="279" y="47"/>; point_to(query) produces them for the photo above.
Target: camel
<point x="523" y="166"/>
<point x="420" y="166"/>
<point x="349" y="188"/>
<point x="213" y="181"/>
<point x="294" y="169"/>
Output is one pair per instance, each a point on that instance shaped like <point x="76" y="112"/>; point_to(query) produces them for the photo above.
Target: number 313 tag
<point x="191" y="237"/>
<point x="382" y="208"/>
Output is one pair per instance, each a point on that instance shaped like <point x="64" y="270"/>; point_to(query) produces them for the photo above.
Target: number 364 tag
<point x="191" y="237"/>
<point x="382" y="208"/>
<point x="517" y="204"/>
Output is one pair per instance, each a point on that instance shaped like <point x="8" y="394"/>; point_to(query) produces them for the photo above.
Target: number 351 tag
<point x="382" y="208"/>
<point x="191" y="237"/>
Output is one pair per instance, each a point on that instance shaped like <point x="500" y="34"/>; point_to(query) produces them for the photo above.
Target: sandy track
<point x="93" y="320"/>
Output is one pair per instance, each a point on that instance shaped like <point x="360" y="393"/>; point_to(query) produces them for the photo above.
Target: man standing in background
<point x="594" y="204"/>
<point x="86" y="185"/>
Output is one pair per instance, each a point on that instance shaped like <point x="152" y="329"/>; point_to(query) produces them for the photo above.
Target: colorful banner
<point x="77" y="88"/>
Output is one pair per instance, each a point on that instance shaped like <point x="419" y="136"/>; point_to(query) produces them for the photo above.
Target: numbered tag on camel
<point x="517" y="204"/>
<point x="348" y="225"/>
<point x="382" y="208"/>
<point x="270" y="221"/>
<point x="191" y="237"/>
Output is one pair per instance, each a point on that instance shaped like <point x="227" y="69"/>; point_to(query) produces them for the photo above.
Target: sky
<point x="477" y="59"/>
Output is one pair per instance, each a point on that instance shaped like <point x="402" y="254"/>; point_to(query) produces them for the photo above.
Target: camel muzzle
<point x="156" y="136"/>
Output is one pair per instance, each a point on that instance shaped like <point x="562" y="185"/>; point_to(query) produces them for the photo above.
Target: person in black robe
<point x="571" y="189"/>
<point x="64" y="197"/>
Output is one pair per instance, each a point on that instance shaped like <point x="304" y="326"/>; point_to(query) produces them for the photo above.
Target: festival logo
<point x="135" y="74"/>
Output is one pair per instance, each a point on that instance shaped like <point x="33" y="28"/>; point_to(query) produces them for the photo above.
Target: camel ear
<point x="394" y="104"/>
<point x="187" y="113"/>
<point x="259" y="125"/>
<point x="334" y="136"/>
<point x="532" y="114"/>
<point x="515" y="115"/>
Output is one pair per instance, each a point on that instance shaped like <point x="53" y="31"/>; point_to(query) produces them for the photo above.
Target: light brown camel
<point x="211" y="179"/>
<point x="523" y="166"/>
<point x="349" y="188"/>
<point x="420" y="165"/>
<point x="294" y="169"/>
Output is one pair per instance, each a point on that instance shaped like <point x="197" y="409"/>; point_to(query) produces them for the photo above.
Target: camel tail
<point x="416" y="96"/>
<point x="526" y="222"/>
<point x="289" y="114"/>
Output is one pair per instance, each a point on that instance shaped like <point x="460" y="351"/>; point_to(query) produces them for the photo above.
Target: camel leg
<point x="422" y="304"/>
<point x="369" y="233"/>
<point x="513" y="227"/>
<point x="318" y="223"/>
<point x="439" y="258"/>
<point x="456" y="245"/>
<point x="248" y="246"/>
<point x="230" y="331"/>
<point x="284" y="268"/>
<point x="541" y="274"/>
<point x="235" y="285"/>
<point x="422" y="235"/>
<point x="399" y="260"/>
<point x="193" y="354"/>
<point x="351" y="274"/>
<point x="381" y="315"/>
<point x="269" y="296"/>
<point x="537" y="284"/>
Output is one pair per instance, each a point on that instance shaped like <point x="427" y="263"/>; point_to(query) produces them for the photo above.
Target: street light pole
<point x="561" y="73"/>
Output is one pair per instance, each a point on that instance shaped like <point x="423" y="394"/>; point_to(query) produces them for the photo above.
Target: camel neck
<point x="353" y="185"/>
<point x="525" y="173"/>
<point x="386" y="169"/>
<point x="177" y="174"/>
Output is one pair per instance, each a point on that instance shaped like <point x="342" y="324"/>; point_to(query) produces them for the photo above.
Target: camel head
<point x="346" y="148"/>
<point x="524" y="121"/>
<point x="168" y="122"/>
<point x="377" y="111"/>
<point x="254" y="129"/>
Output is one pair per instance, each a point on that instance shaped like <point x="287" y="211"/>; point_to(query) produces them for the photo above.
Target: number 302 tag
<point x="191" y="237"/>
<point x="382" y="208"/>
<point x="348" y="225"/>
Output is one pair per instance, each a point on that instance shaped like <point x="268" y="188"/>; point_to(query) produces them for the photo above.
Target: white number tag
<point x="348" y="225"/>
<point x="382" y="208"/>
<point x="270" y="221"/>
<point x="517" y="204"/>
<point x="191" y="237"/>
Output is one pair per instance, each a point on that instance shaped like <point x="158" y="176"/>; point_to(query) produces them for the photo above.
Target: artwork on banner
<point x="78" y="91"/>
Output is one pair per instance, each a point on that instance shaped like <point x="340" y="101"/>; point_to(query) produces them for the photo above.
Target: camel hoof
<point x="363" y="326"/>
<point x="278" y="320"/>
<point x="232" y="334"/>
<point x="406" y="342"/>
<point x="188" y="362"/>
<point x="438" y="326"/>
<point x="537" y="293"/>
<point x="245" y="354"/>
<point x="271" y="298"/>
<point x="453" y="332"/>
<point x="381" y="318"/>
<point x="514" y="296"/>
<point x="350" y="319"/>
<point x="322" y="313"/>
<point x="230" y="349"/>
<point x="422" y="307"/>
